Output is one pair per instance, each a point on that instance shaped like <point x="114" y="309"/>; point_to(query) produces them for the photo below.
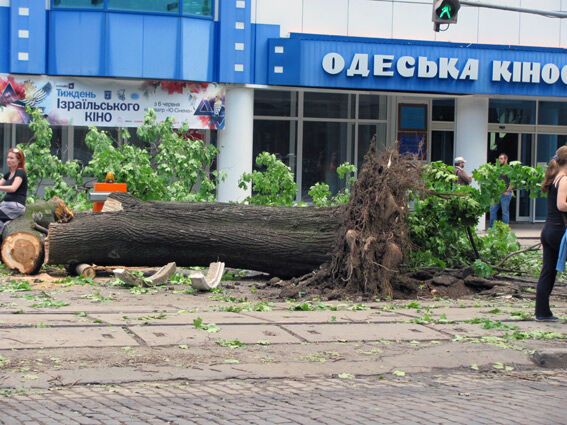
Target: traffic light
<point x="445" y="12"/>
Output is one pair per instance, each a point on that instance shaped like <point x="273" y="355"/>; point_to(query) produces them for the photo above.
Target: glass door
<point x="547" y="144"/>
<point x="524" y="203"/>
<point x="518" y="147"/>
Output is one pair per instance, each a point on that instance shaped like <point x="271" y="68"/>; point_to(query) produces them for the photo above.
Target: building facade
<point x="309" y="80"/>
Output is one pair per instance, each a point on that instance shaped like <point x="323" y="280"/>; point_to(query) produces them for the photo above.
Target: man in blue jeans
<point x="505" y="198"/>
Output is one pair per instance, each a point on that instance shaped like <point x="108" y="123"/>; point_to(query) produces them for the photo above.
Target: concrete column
<point x="472" y="133"/>
<point x="235" y="143"/>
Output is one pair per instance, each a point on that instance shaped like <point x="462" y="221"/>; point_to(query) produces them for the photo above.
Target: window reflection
<point x="277" y="137"/>
<point x="553" y="113"/>
<point x="328" y="105"/>
<point x="324" y="149"/>
<point x="275" y="103"/>
<point x="87" y="4"/>
<point x="442" y="146"/>
<point x="509" y="111"/>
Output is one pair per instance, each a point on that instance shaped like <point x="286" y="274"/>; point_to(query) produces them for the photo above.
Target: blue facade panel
<point x="374" y="64"/>
<point x="281" y="67"/>
<point x="125" y="45"/>
<point x="76" y="42"/>
<point x="28" y="37"/>
<point x="262" y="36"/>
<point x="4" y="39"/>
<point x="236" y="49"/>
<point x="160" y="54"/>
<point x="197" y="52"/>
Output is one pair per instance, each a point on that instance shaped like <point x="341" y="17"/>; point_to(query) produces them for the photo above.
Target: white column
<point x="235" y="143"/>
<point x="472" y="133"/>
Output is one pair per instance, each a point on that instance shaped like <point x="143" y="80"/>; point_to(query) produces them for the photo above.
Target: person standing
<point x="555" y="185"/>
<point x="505" y="197"/>
<point x="463" y="178"/>
<point x="15" y="184"/>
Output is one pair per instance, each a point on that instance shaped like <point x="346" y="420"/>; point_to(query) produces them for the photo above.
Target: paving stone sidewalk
<point x="101" y="355"/>
<point x="428" y="399"/>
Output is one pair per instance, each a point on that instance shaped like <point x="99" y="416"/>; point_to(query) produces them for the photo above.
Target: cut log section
<point x="281" y="241"/>
<point x="205" y="283"/>
<point x="22" y="243"/>
<point x="85" y="270"/>
<point x="160" y="277"/>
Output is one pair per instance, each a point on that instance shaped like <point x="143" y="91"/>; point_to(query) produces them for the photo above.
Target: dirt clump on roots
<point x="374" y="238"/>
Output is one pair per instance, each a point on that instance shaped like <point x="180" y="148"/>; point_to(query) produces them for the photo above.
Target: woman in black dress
<point x="555" y="184"/>
<point x="15" y="184"/>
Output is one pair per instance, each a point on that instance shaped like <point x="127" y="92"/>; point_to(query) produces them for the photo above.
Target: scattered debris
<point x="161" y="277"/>
<point x="205" y="283"/>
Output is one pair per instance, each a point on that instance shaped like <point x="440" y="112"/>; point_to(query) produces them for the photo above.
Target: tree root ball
<point x="373" y="239"/>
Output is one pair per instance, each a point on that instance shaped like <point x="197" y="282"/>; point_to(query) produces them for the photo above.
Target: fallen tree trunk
<point x="286" y="242"/>
<point x="22" y="243"/>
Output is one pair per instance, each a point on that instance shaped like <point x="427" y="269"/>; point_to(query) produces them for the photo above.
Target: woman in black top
<point x="555" y="184"/>
<point x="15" y="184"/>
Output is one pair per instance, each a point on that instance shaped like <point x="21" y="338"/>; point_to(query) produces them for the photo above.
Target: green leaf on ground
<point x="346" y="376"/>
<point x="230" y="343"/>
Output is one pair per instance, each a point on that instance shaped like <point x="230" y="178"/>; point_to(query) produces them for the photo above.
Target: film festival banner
<point x="111" y="103"/>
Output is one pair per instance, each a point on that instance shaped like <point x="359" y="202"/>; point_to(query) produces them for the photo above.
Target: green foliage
<point x="171" y="165"/>
<point x="182" y="163"/>
<point x="321" y="195"/>
<point x="438" y="222"/>
<point x="521" y="177"/>
<point x="273" y="185"/>
<point x="130" y="164"/>
<point x="230" y="343"/>
<point x="483" y="269"/>
<point x="59" y="178"/>
<point x="208" y="327"/>
<point x="15" y="286"/>
<point x="498" y="242"/>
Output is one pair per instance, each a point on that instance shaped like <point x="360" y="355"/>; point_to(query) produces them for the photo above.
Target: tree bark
<point x="286" y="242"/>
<point x="22" y="244"/>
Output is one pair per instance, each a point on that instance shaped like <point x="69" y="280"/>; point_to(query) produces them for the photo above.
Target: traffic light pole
<point x="548" y="14"/>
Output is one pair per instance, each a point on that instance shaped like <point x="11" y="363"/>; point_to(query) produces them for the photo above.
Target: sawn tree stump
<point x="22" y="243"/>
<point x="286" y="242"/>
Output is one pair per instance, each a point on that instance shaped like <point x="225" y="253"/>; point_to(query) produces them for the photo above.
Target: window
<point x="277" y="137"/>
<point x="80" y="149"/>
<point x="372" y="107"/>
<point x="328" y="105"/>
<point x="174" y="7"/>
<point x="412" y="129"/>
<point x="365" y="134"/>
<point x="443" y="110"/>
<point x="197" y="7"/>
<point x="163" y="6"/>
<point x="506" y="111"/>
<point x="24" y="135"/>
<point x="442" y="146"/>
<point x="78" y="4"/>
<point x="325" y="147"/>
<point x="553" y="113"/>
<point x="275" y="103"/>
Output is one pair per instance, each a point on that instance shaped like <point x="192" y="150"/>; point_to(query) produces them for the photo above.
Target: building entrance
<point x="518" y="147"/>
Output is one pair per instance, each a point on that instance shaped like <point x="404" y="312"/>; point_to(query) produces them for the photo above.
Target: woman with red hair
<point x="15" y="184"/>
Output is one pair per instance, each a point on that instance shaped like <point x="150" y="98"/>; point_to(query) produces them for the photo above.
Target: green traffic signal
<point x="446" y="12"/>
